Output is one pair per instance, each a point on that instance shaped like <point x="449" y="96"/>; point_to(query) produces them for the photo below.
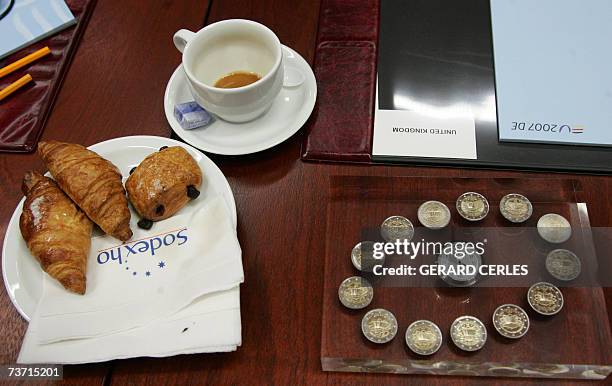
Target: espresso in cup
<point x="237" y="79"/>
<point x="234" y="68"/>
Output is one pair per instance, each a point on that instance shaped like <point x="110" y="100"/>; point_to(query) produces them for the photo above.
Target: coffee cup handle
<point x="181" y="38"/>
<point x="293" y="77"/>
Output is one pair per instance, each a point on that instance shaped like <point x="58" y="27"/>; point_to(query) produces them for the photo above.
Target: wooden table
<point x="115" y="88"/>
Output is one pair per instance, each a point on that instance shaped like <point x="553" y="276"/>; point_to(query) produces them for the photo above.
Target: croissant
<point x="92" y="182"/>
<point x="163" y="183"/>
<point x="56" y="231"/>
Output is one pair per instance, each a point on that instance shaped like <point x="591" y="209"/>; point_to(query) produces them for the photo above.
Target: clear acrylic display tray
<point x="576" y="343"/>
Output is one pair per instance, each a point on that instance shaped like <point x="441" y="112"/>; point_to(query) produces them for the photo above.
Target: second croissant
<point x="92" y="182"/>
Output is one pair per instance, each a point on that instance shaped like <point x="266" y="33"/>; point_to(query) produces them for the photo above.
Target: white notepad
<point x="553" y="70"/>
<point x="29" y="21"/>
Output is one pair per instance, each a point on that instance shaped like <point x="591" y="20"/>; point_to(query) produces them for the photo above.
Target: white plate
<point x="288" y="113"/>
<point x="22" y="274"/>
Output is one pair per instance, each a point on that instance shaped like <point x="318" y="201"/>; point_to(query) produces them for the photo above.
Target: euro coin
<point x="362" y="256"/>
<point x="472" y="206"/>
<point x="515" y="208"/>
<point x="434" y="214"/>
<point x="554" y="228"/>
<point x="563" y="264"/>
<point x="545" y="298"/>
<point x="379" y="326"/>
<point x="355" y="293"/>
<point x="511" y="321"/>
<point x="397" y="228"/>
<point x="468" y="333"/>
<point x="423" y="337"/>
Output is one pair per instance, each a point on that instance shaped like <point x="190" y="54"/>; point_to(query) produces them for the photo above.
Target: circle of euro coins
<point x="511" y="321"/>
<point x="468" y="333"/>
<point x="396" y="228"/>
<point x="355" y="293"/>
<point x="423" y="337"/>
<point x="545" y="298"/>
<point x="472" y="206"/>
<point x="515" y="208"/>
<point x="434" y="214"/>
<point x="379" y="326"/>
<point x="563" y="264"/>
<point x="554" y="228"/>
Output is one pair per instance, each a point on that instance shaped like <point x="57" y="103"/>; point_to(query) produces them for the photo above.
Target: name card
<point x="399" y="133"/>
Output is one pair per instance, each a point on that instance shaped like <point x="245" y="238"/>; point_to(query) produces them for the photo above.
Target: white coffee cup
<point x="225" y="47"/>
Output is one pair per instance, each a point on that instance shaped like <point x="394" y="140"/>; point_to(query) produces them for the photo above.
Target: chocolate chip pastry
<point x="162" y="184"/>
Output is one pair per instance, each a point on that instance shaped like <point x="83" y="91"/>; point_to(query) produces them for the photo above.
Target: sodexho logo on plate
<point x="552" y="128"/>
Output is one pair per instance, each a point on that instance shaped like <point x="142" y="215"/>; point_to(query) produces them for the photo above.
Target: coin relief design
<point x="545" y="298"/>
<point x="379" y="326"/>
<point x="468" y="333"/>
<point x="515" y="208"/>
<point x="554" y="228"/>
<point x="355" y="293"/>
<point x="397" y="228"/>
<point x="423" y="337"/>
<point x="563" y="264"/>
<point x="511" y="321"/>
<point x="472" y="206"/>
<point x="434" y="214"/>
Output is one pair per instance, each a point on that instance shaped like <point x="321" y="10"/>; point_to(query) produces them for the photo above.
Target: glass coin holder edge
<point x="358" y="202"/>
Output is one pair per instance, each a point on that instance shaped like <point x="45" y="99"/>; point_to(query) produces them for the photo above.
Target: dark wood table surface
<point x="115" y="88"/>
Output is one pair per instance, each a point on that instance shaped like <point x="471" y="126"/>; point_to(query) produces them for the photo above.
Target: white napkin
<point x="210" y="324"/>
<point x="158" y="273"/>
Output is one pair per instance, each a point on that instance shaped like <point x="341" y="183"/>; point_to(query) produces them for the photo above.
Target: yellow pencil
<point x="24" y="61"/>
<point x="11" y="88"/>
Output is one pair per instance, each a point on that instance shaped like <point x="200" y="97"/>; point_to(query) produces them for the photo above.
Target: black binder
<point x="440" y="53"/>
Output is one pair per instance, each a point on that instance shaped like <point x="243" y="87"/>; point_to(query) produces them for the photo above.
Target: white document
<point x="553" y="70"/>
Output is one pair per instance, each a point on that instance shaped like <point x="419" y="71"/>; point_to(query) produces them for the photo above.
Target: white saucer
<point x="23" y="277"/>
<point x="288" y="113"/>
